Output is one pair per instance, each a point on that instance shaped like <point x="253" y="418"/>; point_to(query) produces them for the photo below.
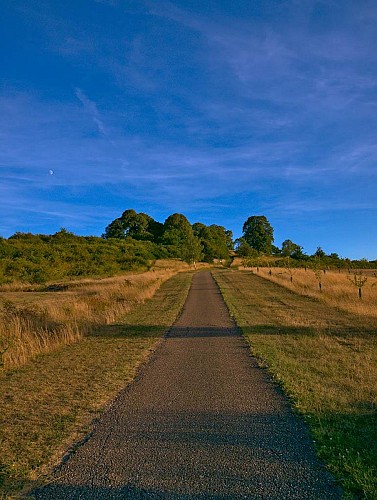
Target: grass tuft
<point x="42" y="321"/>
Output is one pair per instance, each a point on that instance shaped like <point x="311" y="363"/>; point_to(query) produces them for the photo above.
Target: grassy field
<point x="39" y="319"/>
<point x="52" y="400"/>
<point x="326" y="361"/>
<point x="335" y="288"/>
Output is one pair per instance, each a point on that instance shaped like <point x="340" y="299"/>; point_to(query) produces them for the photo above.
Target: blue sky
<point x="218" y="110"/>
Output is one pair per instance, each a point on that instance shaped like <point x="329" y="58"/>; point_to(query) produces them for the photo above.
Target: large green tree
<point x="290" y="249"/>
<point x="243" y="248"/>
<point x="139" y="226"/>
<point x="192" y="250"/>
<point x="115" y="230"/>
<point x="214" y="239"/>
<point x="177" y="231"/>
<point x="259" y="234"/>
<point x="319" y="253"/>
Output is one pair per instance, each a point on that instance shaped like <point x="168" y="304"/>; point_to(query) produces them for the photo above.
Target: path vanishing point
<point x="201" y="421"/>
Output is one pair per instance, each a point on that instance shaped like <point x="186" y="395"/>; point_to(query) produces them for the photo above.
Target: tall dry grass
<point x="33" y="325"/>
<point x="336" y="290"/>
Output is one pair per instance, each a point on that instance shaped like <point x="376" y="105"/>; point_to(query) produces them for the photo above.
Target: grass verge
<point x="337" y="288"/>
<point x="35" y="321"/>
<point x="326" y="361"/>
<point x="52" y="401"/>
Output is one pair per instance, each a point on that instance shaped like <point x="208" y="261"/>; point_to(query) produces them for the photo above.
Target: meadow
<point x="69" y="345"/>
<point x="54" y="399"/>
<point x="40" y="319"/>
<point x="337" y="288"/>
<point x="320" y="347"/>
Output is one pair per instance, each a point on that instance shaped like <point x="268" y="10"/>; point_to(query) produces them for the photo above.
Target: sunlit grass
<point x="35" y="322"/>
<point x="326" y="361"/>
<point x="50" y="402"/>
<point x="337" y="288"/>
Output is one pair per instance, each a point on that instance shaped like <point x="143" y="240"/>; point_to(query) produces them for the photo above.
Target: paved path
<point x="203" y="421"/>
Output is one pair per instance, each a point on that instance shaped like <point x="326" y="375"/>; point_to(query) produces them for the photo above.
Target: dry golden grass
<point x="51" y="401"/>
<point x="38" y="322"/>
<point x="325" y="359"/>
<point x="337" y="288"/>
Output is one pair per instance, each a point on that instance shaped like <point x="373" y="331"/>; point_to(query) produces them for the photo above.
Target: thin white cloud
<point x="271" y="61"/>
<point x="92" y="110"/>
<point x="315" y="204"/>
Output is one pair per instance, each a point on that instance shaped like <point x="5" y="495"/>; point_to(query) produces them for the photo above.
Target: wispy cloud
<point x="91" y="108"/>
<point x="285" y="63"/>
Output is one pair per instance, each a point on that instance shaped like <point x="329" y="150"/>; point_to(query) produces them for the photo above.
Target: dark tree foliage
<point x="216" y="241"/>
<point x="243" y="248"/>
<point x="258" y="233"/>
<point x="138" y="226"/>
<point x="36" y="259"/>
<point x="192" y="251"/>
<point x="176" y="235"/>
<point x="275" y="250"/>
<point x="115" y="230"/>
<point x="177" y="230"/>
<point x="290" y="249"/>
<point x="229" y="239"/>
<point x="134" y="240"/>
<point x="319" y="253"/>
<point x="334" y="256"/>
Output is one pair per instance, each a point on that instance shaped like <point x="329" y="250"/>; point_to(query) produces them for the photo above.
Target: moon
<point x="51" y="172"/>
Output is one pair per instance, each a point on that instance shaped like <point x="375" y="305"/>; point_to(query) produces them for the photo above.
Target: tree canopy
<point x="177" y="230"/>
<point x="290" y="249"/>
<point x="259" y="234"/>
<point x="138" y="226"/>
<point x="216" y="241"/>
<point x="176" y="235"/>
<point x="134" y="240"/>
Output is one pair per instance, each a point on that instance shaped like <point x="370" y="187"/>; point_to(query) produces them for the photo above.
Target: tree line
<point x="135" y="240"/>
<point x="258" y="238"/>
<point x="200" y="242"/>
<point x="180" y="239"/>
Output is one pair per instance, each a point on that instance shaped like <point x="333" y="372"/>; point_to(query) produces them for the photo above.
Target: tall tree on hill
<point x="229" y="239"/>
<point x="115" y="230"/>
<point x="319" y="253"/>
<point x="214" y="239"/>
<point x="192" y="250"/>
<point x="177" y="232"/>
<point x="259" y="234"/>
<point x="243" y="248"/>
<point x="139" y="226"/>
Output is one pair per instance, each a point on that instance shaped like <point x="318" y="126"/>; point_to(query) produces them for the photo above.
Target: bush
<point x="35" y="259"/>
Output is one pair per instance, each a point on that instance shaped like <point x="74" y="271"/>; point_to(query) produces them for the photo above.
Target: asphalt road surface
<point x="202" y="421"/>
